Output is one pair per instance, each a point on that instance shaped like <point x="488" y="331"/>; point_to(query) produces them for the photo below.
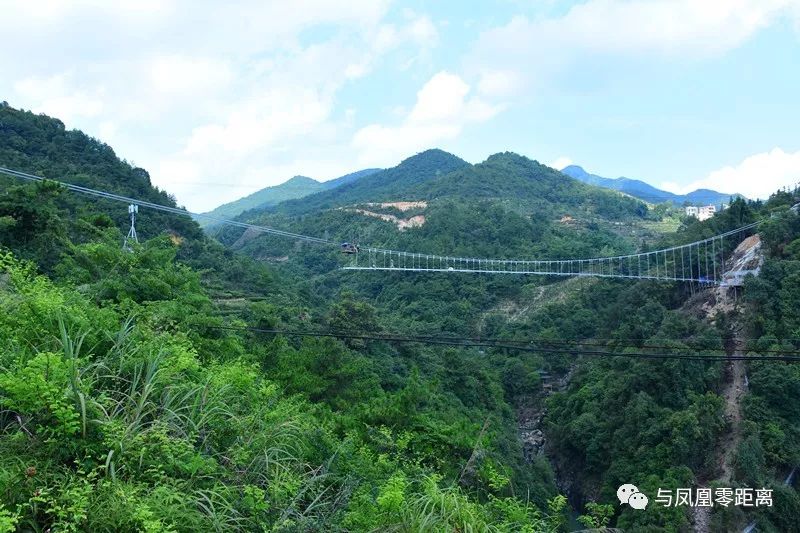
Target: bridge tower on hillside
<point x="133" y="209"/>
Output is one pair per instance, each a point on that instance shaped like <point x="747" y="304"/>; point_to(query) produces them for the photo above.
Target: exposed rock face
<point x="532" y="444"/>
<point x="402" y="206"/>
<point x="746" y="259"/>
<point x="529" y="422"/>
<point x="401" y="223"/>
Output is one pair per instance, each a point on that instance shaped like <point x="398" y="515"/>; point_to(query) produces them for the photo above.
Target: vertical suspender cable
<point x="697" y="263"/>
<point x="714" y="256"/>
<point x="683" y="264"/>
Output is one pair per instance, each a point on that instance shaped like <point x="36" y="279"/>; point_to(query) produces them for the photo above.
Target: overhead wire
<point x="447" y="260"/>
<point x="618" y="343"/>
<point x="165" y="208"/>
<point x="509" y="344"/>
<point x="502" y="344"/>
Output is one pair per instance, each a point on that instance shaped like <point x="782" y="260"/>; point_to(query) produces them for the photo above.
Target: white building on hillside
<point x="701" y="213"/>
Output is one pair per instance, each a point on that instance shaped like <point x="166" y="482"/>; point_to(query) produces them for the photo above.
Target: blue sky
<point x="218" y="99"/>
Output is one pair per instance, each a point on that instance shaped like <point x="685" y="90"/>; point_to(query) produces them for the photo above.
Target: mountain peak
<point x="433" y="158"/>
<point x="511" y="157"/>
<point x="299" y="180"/>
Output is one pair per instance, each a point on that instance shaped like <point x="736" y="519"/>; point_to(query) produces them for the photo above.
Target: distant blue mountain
<point x="647" y="192"/>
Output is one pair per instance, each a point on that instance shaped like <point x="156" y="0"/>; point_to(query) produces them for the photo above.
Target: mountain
<point x="647" y="192"/>
<point x="349" y="178"/>
<point x="130" y="393"/>
<point x="506" y="206"/>
<point x="391" y="184"/>
<point x="41" y="145"/>
<point x="296" y="187"/>
<point x="522" y="181"/>
<point x="139" y="392"/>
<point x="435" y="175"/>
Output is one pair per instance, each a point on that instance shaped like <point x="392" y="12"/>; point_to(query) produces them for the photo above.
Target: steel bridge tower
<point x="133" y="209"/>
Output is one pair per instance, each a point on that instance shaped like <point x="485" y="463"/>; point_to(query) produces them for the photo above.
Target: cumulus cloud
<point x="524" y="51"/>
<point x="176" y="73"/>
<point x="207" y="92"/>
<point x="443" y="108"/>
<point x="757" y="176"/>
<point x="499" y="82"/>
<point x="57" y="96"/>
<point x="417" y="29"/>
<point x="251" y="91"/>
<point x="279" y="113"/>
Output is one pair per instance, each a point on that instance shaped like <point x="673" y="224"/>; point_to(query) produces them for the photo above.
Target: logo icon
<point x="630" y="494"/>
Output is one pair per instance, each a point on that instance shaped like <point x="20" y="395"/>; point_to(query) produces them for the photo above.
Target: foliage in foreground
<point x="112" y="421"/>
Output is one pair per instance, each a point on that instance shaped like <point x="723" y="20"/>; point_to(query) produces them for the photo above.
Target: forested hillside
<point x="125" y="407"/>
<point x="296" y="187"/>
<point x="150" y="391"/>
<point x="435" y="174"/>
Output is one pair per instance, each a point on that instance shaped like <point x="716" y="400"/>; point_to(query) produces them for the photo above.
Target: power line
<point x="393" y="260"/>
<point x="616" y="343"/>
<point x="501" y="344"/>
<point x="159" y="207"/>
<point x="610" y="343"/>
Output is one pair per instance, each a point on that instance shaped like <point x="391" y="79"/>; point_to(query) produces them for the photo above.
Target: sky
<point x="219" y="99"/>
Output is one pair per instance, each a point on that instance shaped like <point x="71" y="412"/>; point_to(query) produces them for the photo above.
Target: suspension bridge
<point x="711" y="261"/>
<point x="703" y="261"/>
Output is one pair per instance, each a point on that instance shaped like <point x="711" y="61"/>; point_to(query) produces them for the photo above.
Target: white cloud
<point x="526" y="51"/>
<point x="443" y="108"/>
<point x="226" y="28"/>
<point x="417" y="29"/>
<point x="560" y="163"/>
<point x="55" y="95"/>
<point x="177" y="73"/>
<point x="498" y="82"/>
<point x="756" y="176"/>
<point x="441" y="98"/>
<point x="421" y="29"/>
<point x="278" y="114"/>
<point x="252" y="91"/>
<point x="208" y="92"/>
<point x="667" y="26"/>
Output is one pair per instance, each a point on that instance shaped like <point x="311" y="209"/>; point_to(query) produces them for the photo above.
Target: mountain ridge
<point x="435" y="174"/>
<point x="295" y="187"/>
<point x="647" y="192"/>
<point x="507" y="194"/>
<point x="385" y="185"/>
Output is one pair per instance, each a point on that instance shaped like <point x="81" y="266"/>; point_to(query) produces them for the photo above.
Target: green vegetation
<point x="120" y="416"/>
<point x="297" y="187"/>
<point x="125" y="408"/>
<point x="133" y="399"/>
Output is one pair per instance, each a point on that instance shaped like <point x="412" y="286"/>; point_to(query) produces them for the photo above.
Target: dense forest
<point x="149" y="391"/>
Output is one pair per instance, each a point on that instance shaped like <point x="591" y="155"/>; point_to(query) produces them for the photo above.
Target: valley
<point x="236" y="379"/>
